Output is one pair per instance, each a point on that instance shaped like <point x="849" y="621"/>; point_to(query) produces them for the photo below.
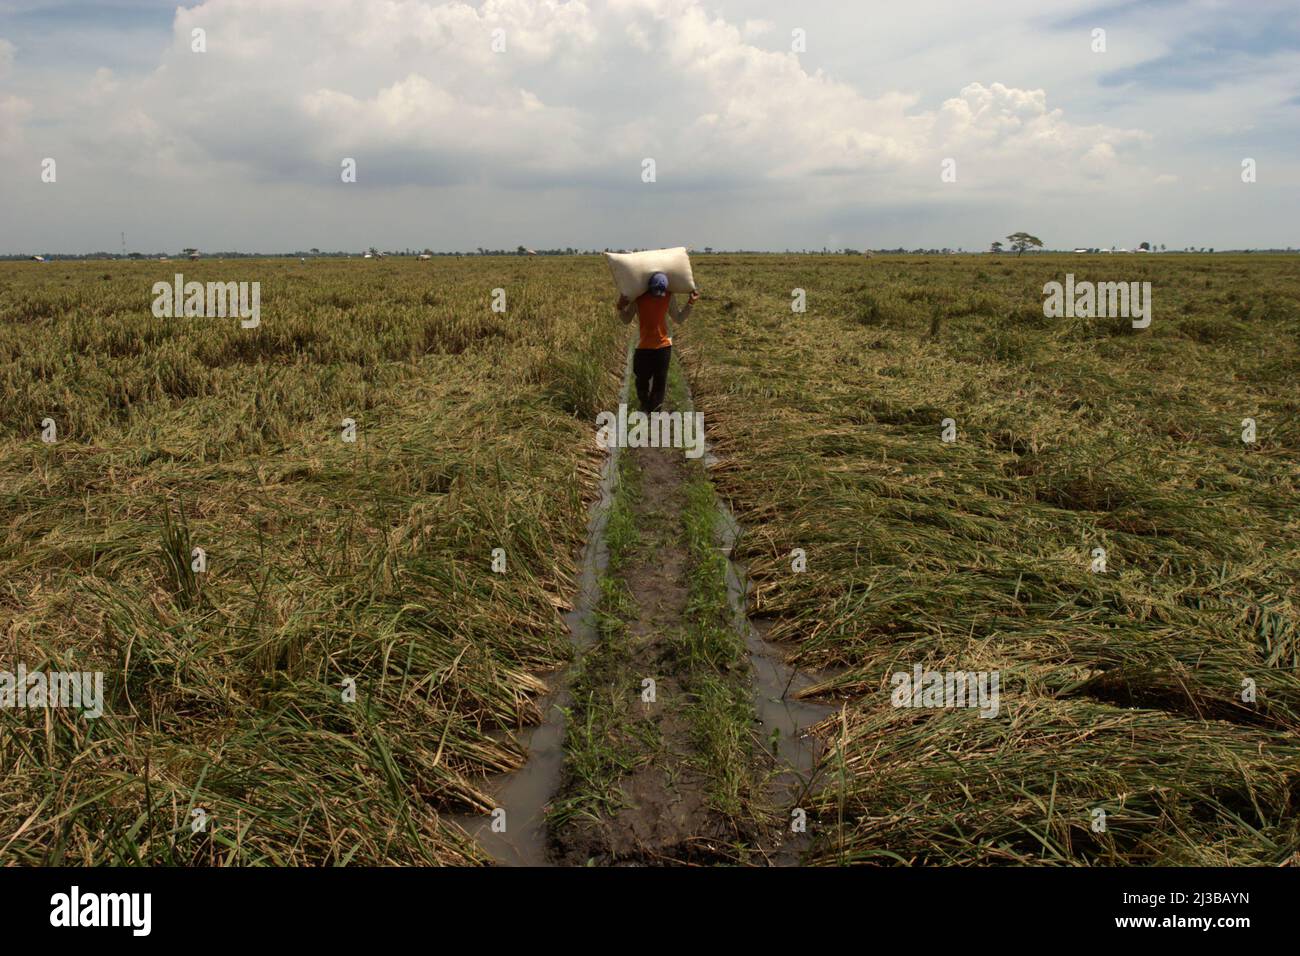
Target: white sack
<point x="632" y="270"/>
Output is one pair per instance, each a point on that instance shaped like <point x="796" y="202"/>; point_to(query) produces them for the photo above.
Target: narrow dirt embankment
<point x="636" y="790"/>
<point x="675" y="737"/>
<point x="652" y="803"/>
<point x="684" y="745"/>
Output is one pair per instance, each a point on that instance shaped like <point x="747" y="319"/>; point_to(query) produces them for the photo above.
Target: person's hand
<point x="695" y="294"/>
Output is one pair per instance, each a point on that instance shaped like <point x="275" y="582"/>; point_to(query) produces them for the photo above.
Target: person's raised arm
<point x="684" y="313"/>
<point x="626" y="308"/>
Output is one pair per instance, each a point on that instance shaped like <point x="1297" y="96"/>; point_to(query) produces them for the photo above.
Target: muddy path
<point x="659" y="809"/>
<point x="676" y="736"/>
<point x="711" y="769"/>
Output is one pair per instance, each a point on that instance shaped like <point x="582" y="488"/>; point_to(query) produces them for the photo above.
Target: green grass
<point x="606" y="736"/>
<point x="712" y="654"/>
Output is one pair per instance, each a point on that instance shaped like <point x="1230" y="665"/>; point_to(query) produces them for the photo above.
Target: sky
<point x="767" y="125"/>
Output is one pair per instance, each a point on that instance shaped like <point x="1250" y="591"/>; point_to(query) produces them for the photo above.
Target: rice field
<point x="348" y="670"/>
<point x="1123" y="735"/>
<point x="328" y="561"/>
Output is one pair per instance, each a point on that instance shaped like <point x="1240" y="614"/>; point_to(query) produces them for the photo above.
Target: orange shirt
<point x="652" y="311"/>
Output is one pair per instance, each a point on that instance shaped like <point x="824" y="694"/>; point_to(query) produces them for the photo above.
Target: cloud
<point x="1204" y="45"/>
<point x="510" y="131"/>
<point x="744" y="131"/>
<point x="14" y="112"/>
<point x="416" y="93"/>
<point x="103" y="85"/>
<point x="1019" y="122"/>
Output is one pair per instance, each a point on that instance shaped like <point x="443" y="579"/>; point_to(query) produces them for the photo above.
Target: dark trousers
<point x="650" y="366"/>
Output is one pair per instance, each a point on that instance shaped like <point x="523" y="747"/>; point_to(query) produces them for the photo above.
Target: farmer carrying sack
<point x="632" y="270"/>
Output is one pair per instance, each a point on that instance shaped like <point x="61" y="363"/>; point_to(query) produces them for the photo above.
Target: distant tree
<point x="996" y="247"/>
<point x="1145" y="245"/>
<point x="1020" y="241"/>
<point x="315" y="252"/>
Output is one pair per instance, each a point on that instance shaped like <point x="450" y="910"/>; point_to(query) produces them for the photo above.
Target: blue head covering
<point x="659" y="284"/>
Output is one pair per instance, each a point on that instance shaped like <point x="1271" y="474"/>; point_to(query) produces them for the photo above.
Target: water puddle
<point x="525" y="793"/>
<point x="782" y="714"/>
